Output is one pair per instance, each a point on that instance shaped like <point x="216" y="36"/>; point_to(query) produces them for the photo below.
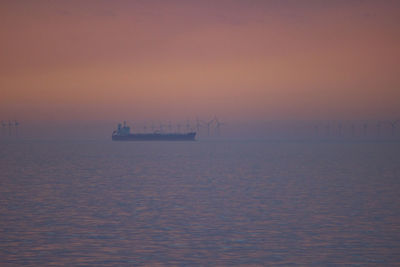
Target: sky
<point x="242" y="60"/>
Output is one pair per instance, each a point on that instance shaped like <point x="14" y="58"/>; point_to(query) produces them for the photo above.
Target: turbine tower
<point x="393" y="126"/>
<point x="198" y="125"/>
<point x="328" y="129"/>
<point x="365" y="129"/>
<point x="353" y="129"/>
<point x="16" y="123"/>
<point x="187" y="126"/>
<point x="218" y="125"/>
<point x="316" y="129"/>
<point x="340" y="128"/>
<point x="209" y="123"/>
<point x="396" y="123"/>
<point x="161" y="127"/>
<point x="3" y="128"/>
<point x="170" y="126"/>
<point x="9" y="127"/>
<point x="378" y="128"/>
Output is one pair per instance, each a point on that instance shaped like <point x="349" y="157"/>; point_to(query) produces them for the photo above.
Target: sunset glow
<point x="248" y="60"/>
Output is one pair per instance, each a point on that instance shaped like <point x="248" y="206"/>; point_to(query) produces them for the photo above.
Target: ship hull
<point x="155" y="137"/>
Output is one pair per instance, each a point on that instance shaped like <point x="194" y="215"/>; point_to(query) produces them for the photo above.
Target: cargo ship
<point x="123" y="133"/>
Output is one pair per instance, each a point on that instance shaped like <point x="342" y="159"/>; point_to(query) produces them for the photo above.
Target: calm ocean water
<point x="202" y="203"/>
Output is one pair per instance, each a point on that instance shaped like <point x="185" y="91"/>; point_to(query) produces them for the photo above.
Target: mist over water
<point x="219" y="128"/>
<point x="199" y="203"/>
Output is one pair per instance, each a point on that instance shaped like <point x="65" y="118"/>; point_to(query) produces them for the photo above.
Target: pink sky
<point x="160" y="60"/>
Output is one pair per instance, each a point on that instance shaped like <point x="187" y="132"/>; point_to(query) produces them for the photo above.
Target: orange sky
<point x="244" y="60"/>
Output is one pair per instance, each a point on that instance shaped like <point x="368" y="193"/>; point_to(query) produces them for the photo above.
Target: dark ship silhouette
<point x="123" y="133"/>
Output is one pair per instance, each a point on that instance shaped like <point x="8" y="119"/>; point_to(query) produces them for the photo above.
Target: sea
<point x="204" y="203"/>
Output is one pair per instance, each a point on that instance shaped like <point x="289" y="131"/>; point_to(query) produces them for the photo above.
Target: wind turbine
<point x="201" y="124"/>
<point x="161" y="127"/>
<point x="365" y="128"/>
<point x="328" y="129"/>
<point x="378" y="128"/>
<point x="16" y="123"/>
<point x="3" y="131"/>
<point x="198" y="125"/>
<point x="353" y="129"/>
<point x="9" y="127"/>
<point x="170" y="126"/>
<point x="316" y="129"/>
<point x="218" y="125"/>
<point x="340" y="127"/>
<point x="397" y="122"/>
<point x="209" y="123"/>
<point x="187" y="126"/>
<point x="393" y="126"/>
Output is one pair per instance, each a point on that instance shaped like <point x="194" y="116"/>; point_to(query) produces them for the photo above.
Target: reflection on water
<point x="202" y="203"/>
